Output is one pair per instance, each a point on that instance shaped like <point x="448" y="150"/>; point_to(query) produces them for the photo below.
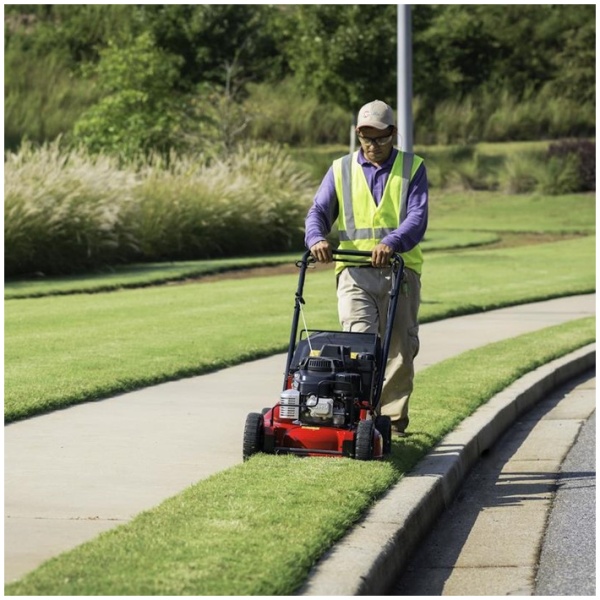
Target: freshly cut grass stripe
<point x="137" y="275"/>
<point x="448" y="392"/>
<point x="443" y="239"/>
<point x="256" y="529"/>
<point x="69" y="349"/>
<point x="491" y="278"/>
<point x="249" y="530"/>
<point x="146" y="274"/>
<point x="76" y="348"/>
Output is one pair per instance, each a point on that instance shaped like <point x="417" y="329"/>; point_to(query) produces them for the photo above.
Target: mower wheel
<point x="364" y="440"/>
<point x="384" y="426"/>
<point x="253" y="435"/>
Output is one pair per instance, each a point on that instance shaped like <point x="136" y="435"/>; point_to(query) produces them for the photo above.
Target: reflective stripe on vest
<point x="352" y="233"/>
<point x="374" y="222"/>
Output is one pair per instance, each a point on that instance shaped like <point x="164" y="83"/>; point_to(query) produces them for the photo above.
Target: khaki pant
<point x="363" y="298"/>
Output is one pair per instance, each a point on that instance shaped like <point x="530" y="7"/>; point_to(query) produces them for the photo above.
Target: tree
<point x="454" y="52"/>
<point x="574" y="58"/>
<point x="211" y="38"/>
<point x="344" y="53"/>
<point x="138" y="111"/>
<point x="73" y="31"/>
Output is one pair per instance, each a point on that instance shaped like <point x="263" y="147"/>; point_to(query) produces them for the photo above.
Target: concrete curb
<point x="367" y="560"/>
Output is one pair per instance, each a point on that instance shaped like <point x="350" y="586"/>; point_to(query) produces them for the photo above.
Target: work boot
<point x="399" y="427"/>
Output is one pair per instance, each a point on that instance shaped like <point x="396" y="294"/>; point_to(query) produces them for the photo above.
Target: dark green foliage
<point x="75" y="32"/>
<point x="346" y="55"/>
<point x="138" y="111"/>
<point x="42" y="98"/>
<point x="584" y="151"/>
<point x="490" y="58"/>
<point x="456" y="50"/>
<point x="212" y="38"/>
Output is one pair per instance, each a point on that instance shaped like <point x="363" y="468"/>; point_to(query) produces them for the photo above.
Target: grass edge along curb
<point x="257" y="528"/>
<point x="408" y="511"/>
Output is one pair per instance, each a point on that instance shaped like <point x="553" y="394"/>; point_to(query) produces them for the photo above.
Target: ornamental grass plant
<point x="249" y="203"/>
<point x="66" y="211"/>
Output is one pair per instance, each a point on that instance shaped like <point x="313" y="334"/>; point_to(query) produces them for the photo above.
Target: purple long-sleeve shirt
<point x="324" y="210"/>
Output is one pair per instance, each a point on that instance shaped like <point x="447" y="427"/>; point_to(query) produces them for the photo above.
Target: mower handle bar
<point x="397" y="264"/>
<point x="353" y="256"/>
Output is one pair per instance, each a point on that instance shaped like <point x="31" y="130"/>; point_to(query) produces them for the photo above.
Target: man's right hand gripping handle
<point x="322" y="252"/>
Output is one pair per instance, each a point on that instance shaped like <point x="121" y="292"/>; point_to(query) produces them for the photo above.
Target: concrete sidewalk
<point x="72" y="474"/>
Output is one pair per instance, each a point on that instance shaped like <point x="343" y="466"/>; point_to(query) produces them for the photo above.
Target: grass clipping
<point x="257" y="529"/>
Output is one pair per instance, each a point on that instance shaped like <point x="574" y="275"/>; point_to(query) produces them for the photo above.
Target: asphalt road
<point x="568" y="559"/>
<point x="522" y="497"/>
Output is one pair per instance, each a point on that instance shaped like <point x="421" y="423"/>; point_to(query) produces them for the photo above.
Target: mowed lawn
<point x="223" y="535"/>
<point x="66" y="349"/>
<point x="257" y="528"/>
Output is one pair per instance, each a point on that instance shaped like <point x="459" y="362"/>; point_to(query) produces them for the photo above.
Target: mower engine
<point x="327" y="389"/>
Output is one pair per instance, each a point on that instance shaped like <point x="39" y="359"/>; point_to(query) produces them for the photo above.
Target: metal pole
<point x="404" y="80"/>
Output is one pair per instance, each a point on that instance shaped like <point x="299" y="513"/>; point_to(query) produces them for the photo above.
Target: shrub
<point x="521" y="172"/>
<point x="138" y="111"/>
<point x="561" y="175"/>
<point x="585" y="153"/>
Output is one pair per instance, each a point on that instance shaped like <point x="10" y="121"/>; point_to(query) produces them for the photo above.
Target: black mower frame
<point x="358" y="258"/>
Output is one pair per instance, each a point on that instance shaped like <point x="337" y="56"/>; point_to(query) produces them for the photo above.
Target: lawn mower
<point x="332" y="386"/>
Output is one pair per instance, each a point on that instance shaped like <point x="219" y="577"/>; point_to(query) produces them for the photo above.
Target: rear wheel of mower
<point x="364" y="440"/>
<point x="384" y="426"/>
<point x="253" y="435"/>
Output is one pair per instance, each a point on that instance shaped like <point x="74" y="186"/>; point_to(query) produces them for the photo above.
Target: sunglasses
<point x="378" y="141"/>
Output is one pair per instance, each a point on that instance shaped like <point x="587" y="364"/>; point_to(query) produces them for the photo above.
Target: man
<point x="379" y="198"/>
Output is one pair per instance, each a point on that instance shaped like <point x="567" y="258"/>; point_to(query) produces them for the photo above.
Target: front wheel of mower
<point x="384" y="426"/>
<point x="253" y="435"/>
<point x="364" y="440"/>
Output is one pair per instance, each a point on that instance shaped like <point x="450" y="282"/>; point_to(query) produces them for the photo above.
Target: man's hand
<point x="381" y="256"/>
<point x="322" y="251"/>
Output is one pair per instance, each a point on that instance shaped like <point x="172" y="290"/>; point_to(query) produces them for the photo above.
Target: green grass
<point x="256" y="529"/>
<point x="493" y="211"/>
<point x="445" y="239"/>
<point x="456" y="221"/>
<point x="135" y="275"/>
<point x="69" y="349"/>
<point x="462" y="282"/>
<point x="146" y="274"/>
<point x="231" y="534"/>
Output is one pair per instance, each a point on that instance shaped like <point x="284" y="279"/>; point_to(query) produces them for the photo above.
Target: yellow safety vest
<point x="362" y="224"/>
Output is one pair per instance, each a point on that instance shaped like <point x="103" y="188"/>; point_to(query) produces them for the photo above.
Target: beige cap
<point x="376" y="114"/>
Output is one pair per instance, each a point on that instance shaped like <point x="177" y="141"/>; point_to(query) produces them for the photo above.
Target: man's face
<point x="377" y="144"/>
